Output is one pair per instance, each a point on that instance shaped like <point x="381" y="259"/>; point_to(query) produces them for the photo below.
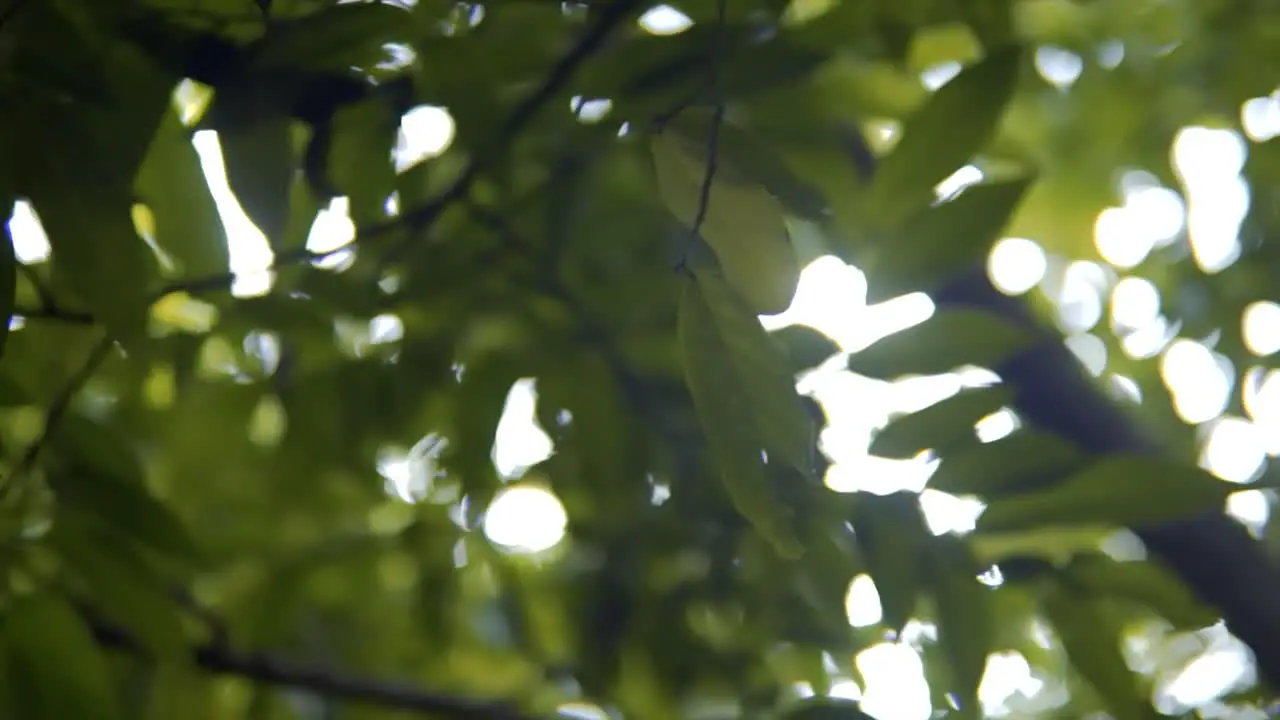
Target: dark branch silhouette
<point x="267" y="669"/>
<point x="1213" y="554"/>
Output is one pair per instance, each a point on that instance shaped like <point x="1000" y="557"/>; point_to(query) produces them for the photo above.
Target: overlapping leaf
<point x="953" y="125"/>
<point x="949" y="339"/>
<point x="741" y="222"/>
<point x="892" y="539"/>
<point x="1126" y="491"/>
<point x="941" y="425"/>
<point x="746" y="401"/>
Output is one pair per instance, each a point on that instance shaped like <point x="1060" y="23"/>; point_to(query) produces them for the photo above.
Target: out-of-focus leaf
<point x="125" y="504"/>
<point x="336" y="38"/>
<point x="953" y="125"/>
<point x="990" y="468"/>
<point x="482" y="394"/>
<point x="949" y="339"/>
<point x="1127" y="491"/>
<point x="360" y="157"/>
<point x="177" y="690"/>
<point x="1091" y="636"/>
<point x="740" y="386"/>
<point x="1143" y="582"/>
<point x="827" y="708"/>
<point x="806" y="347"/>
<point x="260" y="168"/>
<point x="171" y="183"/>
<point x="742" y="223"/>
<point x="891" y="535"/>
<point x="651" y="75"/>
<point x="934" y="243"/>
<point x="964" y="617"/>
<point x="97" y="255"/>
<point x="54" y="660"/>
<point x="941" y="425"/>
<point x="1053" y="543"/>
<point x="8" y="276"/>
<point x="121" y="584"/>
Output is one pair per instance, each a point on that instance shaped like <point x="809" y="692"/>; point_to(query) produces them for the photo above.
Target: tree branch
<point x="1213" y="554"/>
<point x="56" y="410"/>
<point x="263" y="668"/>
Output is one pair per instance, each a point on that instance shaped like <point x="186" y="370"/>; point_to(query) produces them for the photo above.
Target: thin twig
<point x="218" y="658"/>
<point x="611" y="17"/>
<point x="57" y="409"/>
<point x="717" y="119"/>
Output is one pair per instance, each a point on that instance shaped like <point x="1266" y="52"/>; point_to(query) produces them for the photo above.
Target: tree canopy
<point x="797" y="359"/>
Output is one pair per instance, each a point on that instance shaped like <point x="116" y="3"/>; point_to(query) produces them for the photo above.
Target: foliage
<point x="193" y="510"/>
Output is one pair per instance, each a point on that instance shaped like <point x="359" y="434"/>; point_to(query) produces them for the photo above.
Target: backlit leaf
<point x="758" y="364"/>
<point x="964" y="618"/>
<point x="742" y="223"/>
<point x="1091" y="636"/>
<point x="171" y="183"/>
<point x="98" y="256"/>
<point x="949" y="339"/>
<point x="1144" y="582"/>
<point x="807" y="348"/>
<point x="360" y="158"/>
<point x="336" y="38"/>
<point x="1001" y="465"/>
<point x="941" y="425"/>
<point x="945" y="133"/>
<point x="1128" y="491"/>
<point x="934" y="243"/>
<point x="260" y="167"/>
<point x="891" y="536"/>
<point x="725" y="367"/>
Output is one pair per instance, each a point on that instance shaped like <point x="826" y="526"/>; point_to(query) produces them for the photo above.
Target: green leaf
<point x="826" y="708"/>
<point x="990" y="468"/>
<point x="739" y="384"/>
<point x="933" y="243"/>
<point x="940" y="426"/>
<point x="965" y="619"/>
<point x="758" y="365"/>
<point x="54" y="660"/>
<point x="121" y="584"/>
<point x="1143" y="582"/>
<point x="954" y="124"/>
<point x="171" y="184"/>
<point x="747" y="155"/>
<point x="260" y="169"/>
<point x="742" y="223"/>
<point x="123" y="503"/>
<point x="807" y="348"/>
<point x="98" y="258"/>
<point x="1129" y="491"/>
<point x="891" y="536"/>
<point x="336" y="38"/>
<point x="1091" y="635"/>
<point x="360" y="165"/>
<point x="8" y="279"/>
<point x="949" y="339"/>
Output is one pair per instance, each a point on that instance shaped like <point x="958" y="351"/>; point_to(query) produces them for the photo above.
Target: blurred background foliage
<point x="401" y="359"/>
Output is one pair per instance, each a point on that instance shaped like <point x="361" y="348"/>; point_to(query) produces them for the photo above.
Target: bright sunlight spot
<point x="525" y="518"/>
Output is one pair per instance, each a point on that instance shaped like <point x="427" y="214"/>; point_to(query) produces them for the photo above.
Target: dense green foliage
<point x="194" y="517"/>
